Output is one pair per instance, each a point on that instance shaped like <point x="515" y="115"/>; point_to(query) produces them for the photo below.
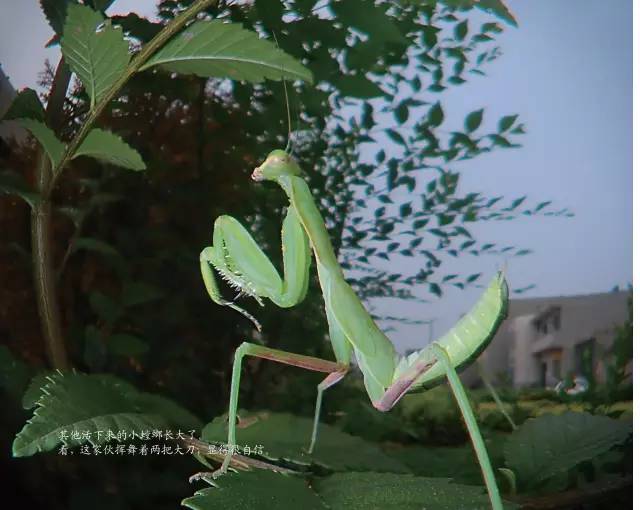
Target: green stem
<point x="136" y="63"/>
<point x="42" y="254"/>
<point x="41" y="238"/>
<point x="472" y="427"/>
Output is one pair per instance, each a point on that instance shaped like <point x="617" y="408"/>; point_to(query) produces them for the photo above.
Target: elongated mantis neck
<point x="302" y="200"/>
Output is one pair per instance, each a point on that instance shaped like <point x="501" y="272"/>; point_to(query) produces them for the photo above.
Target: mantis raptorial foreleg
<point x="241" y="262"/>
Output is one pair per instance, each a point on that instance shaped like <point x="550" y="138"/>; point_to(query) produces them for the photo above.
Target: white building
<point x="543" y="340"/>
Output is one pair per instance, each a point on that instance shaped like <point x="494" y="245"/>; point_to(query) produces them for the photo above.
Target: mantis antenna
<point x="286" y="99"/>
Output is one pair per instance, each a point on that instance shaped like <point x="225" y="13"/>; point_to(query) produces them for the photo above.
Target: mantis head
<point x="277" y="164"/>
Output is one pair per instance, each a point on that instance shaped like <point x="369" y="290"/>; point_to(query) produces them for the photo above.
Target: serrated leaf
<point x="13" y="184"/>
<point x="98" y="57"/>
<point x="473" y="120"/>
<point x="110" y="148"/>
<point x="226" y="50"/>
<point x="84" y="403"/>
<point x="34" y="389"/>
<point x="551" y="444"/>
<point x="280" y="491"/>
<point x="56" y="12"/>
<point x="26" y="105"/>
<point x="47" y="138"/>
<point x="285" y="436"/>
<point x="357" y="86"/>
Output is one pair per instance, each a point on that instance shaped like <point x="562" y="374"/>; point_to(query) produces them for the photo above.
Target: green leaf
<point x="26" y="105"/>
<point x="172" y="412"/>
<point x="34" y="390"/>
<point x="473" y="120"/>
<point x="56" y="12"/>
<point x="98" y="57"/>
<point x="14" y="184"/>
<point x="435" y="115"/>
<point x="285" y="436"/>
<point x="47" y="138"/>
<point x="369" y="491"/>
<point x="499" y="9"/>
<point x="369" y="18"/>
<point x="357" y="86"/>
<point x="88" y="243"/>
<point x="226" y="50"/>
<point x="552" y="444"/>
<point x="83" y="403"/>
<point x="110" y="148"/>
<point x="341" y="491"/>
<point x="395" y="136"/>
<point x="506" y="122"/>
<point x="461" y="30"/>
<point x="253" y="490"/>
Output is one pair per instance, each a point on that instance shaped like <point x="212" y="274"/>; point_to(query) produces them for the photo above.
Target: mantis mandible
<point x="387" y="376"/>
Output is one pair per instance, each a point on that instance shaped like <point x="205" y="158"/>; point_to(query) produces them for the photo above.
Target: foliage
<point x="537" y="451"/>
<point x="79" y="402"/>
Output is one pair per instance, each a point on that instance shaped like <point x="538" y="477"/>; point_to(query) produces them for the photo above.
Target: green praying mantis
<point x="238" y="259"/>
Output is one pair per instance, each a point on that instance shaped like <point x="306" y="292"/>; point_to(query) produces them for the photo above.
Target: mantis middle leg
<point x="335" y="370"/>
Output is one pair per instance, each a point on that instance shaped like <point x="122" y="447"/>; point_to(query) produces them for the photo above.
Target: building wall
<point x="521" y="345"/>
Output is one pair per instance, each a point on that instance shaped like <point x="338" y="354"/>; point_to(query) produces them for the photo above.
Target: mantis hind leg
<point x="330" y="380"/>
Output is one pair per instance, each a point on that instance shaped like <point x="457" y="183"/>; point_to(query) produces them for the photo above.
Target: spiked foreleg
<point x="240" y="261"/>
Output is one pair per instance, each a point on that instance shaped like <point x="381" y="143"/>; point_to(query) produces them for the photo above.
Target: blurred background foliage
<point x="126" y="245"/>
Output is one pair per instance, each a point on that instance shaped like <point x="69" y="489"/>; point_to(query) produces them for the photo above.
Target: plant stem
<point x="136" y="63"/>
<point x="42" y="254"/>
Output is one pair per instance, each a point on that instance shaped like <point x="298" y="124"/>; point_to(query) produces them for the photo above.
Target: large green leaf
<point x="110" y="148"/>
<point x="389" y="491"/>
<point x="552" y="444"/>
<point x="72" y="401"/>
<point x="26" y="105"/>
<point x="83" y="403"/>
<point x="98" y="57"/>
<point x="48" y="139"/>
<point x="285" y="436"/>
<point x="341" y="491"/>
<point x="256" y="489"/>
<point x="226" y="50"/>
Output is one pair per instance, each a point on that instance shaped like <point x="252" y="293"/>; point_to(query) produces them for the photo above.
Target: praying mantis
<point x="238" y="259"/>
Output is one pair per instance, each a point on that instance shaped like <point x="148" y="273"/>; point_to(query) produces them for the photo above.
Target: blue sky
<point x="567" y="71"/>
